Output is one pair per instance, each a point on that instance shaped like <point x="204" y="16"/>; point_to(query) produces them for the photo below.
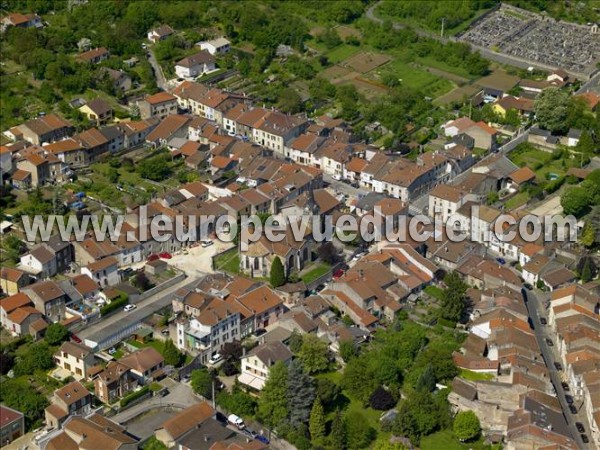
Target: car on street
<point x="565" y="386"/>
<point x="528" y="286"/>
<point x="580" y="427"/>
<point x="129" y="307"/>
<point x="543" y="321"/>
<point x="112" y="351"/>
<point x="262" y="439"/>
<point x="501" y="260"/>
<point x="337" y="177"/>
<point x="338" y="274"/>
<point x="153" y="257"/>
<point x="251" y="433"/>
<point x="215" y="358"/>
<point x="237" y="421"/>
<point x="573" y="409"/>
<point x="260" y="332"/>
<point x="75" y="338"/>
<point x="205" y="244"/>
<point x="549" y="342"/>
<point x="165" y="255"/>
<point x="320" y="288"/>
<point x="569" y="399"/>
<point x="585" y="439"/>
<point x="558" y="365"/>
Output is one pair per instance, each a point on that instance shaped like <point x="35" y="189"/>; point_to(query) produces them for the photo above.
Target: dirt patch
<point x="336" y="73"/>
<point x="345" y="31"/>
<point x="369" y="88"/>
<point x="365" y="62"/>
<point x="498" y="79"/>
<point x="314" y="32"/>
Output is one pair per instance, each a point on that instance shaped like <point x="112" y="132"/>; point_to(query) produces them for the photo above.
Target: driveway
<point x="161" y="81"/>
<point x="535" y="306"/>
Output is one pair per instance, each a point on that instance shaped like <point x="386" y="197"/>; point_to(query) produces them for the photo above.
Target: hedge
<point x="118" y="303"/>
<point x="134" y="396"/>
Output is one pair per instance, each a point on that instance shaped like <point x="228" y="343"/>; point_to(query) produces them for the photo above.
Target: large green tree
<point x="359" y="434"/>
<point x="172" y="355"/>
<point x="317" y="423"/>
<point x="453" y="298"/>
<point x="338" y="434"/>
<point x="575" y="201"/>
<point x="466" y="426"/>
<point x="277" y="275"/>
<point x="202" y="381"/>
<point x="313" y="354"/>
<point x="551" y="109"/>
<point x="300" y="394"/>
<point x="56" y="333"/>
<point x="273" y="404"/>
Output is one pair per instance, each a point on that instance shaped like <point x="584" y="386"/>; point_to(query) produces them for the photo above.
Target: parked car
<point x="558" y="365"/>
<point x="128" y="271"/>
<point x="580" y="427"/>
<point x="501" y="260"/>
<point x="338" y="274"/>
<point x="573" y="409"/>
<point x="75" y="338"/>
<point x="165" y="255"/>
<point x="153" y="257"/>
<point x="215" y="358"/>
<point x="543" y="321"/>
<point x="129" y="307"/>
<point x="205" y="244"/>
<point x="320" y="288"/>
<point x="260" y="332"/>
<point x="585" y="439"/>
<point x="112" y="351"/>
<point x="337" y="177"/>
<point x="569" y="399"/>
<point x="237" y="421"/>
<point x="528" y="286"/>
<point x="262" y="439"/>
<point x="565" y="386"/>
<point x="549" y="342"/>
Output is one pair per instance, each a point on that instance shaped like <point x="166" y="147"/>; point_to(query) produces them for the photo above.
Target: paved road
<point x="344" y="188"/>
<point x="536" y="307"/>
<point x="161" y="81"/>
<point x="121" y="320"/>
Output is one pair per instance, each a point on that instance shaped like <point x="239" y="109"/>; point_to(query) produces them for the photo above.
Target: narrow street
<point x="535" y="303"/>
<point x="161" y="81"/>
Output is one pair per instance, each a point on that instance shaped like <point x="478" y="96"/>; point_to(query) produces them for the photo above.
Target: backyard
<point x="314" y="272"/>
<point x="228" y="261"/>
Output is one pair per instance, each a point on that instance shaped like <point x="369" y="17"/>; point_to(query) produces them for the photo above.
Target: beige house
<point x="257" y="363"/>
<point x="158" y="105"/>
<point x="188" y="419"/>
<point x="71" y="400"/>
<point x="93" y="432"/>
<point x="76" y="359"/>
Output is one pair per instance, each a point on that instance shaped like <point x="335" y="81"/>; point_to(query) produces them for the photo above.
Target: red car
<point x="153" y="257"/>
<point x="165" y="255"/>
<point x="75" y="338"/>
<point x="338" y="274"/>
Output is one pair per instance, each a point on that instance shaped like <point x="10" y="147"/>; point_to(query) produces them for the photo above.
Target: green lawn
<point x="418" y="79"/>
<point x="434" y="292"/>
<point x="430" y="61"/>
<point x="446" y="440"/>
<point x="475" y="376"/>
<point x="342" y="52"/>
<point x="158" y="345"/>
<point x="228" y="261"/>
<point x="518" y="200"/>
<point x="315" y="272"/>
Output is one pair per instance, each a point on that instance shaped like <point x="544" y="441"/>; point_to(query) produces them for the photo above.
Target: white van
<point x="237" y="421"/>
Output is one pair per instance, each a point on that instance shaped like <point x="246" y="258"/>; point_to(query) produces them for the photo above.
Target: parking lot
<point x="198" y="260"/>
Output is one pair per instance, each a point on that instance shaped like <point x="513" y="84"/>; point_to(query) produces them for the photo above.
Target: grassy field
<point x="518" y="200"/>
<point x="418" y="79"/>
<point x="542" y="162"/>
<point x="446" y="440"/>
<point x="342" y="52"/>
<point x="315" y="272"/>
<point x="158" y="345"/>
<point x="228" y="261"/>
<point x="434" y="292"/>
<point x="475" y="376"/>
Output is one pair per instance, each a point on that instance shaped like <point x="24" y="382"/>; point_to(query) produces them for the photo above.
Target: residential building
<point x="444" y="202"/>
<point x="95" y="56"/>
<point x="146" y="364"/>
<point x="95" y="431"/>
<point x="182" y="423"/>
<point x="70" y="400"/>
<point x="19" y="322"/>
<point x="75" y="358"/>
<point x="114" y="382"/>
<point x="159" y="105"/>
<point x="48" y="298"/>
<point x="21" y="21"/>
<point x="50" y="128"/>
<point x="13" y="280"/>
<point x="12" y="425"/>
<point x="195" y="65"/>
<point x="97" y="111"/>
<point x="121" y="81"/>
<point x="104" y="271"/>
<point x="160" y="33"/>
<point x="12" y="303"/>
<point x="258" y="361"/>
<point x="218" y="46"/>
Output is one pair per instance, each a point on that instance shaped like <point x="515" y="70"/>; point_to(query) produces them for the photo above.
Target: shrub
<point x="115" y="304"/>
<point x="381" y="399"/>
<point x="134" y="396"/>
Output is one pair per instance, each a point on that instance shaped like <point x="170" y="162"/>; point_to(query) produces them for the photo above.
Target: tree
<point x="575" y="201"/>
<point x="588" y="235"/>
<point x="427" y="379"/>
<point x="277" y="275"/>
<point x="202" y="381"/>
<point x="290" y="101"/>
<point x="272" y="404"/>
<point x="358" y="432"/>
<point x="173" y="357"/>
<point x="551" y="109"/>
<point x="328" y="253"/>
<point x="22" y="396"/>
<point x="348" y="350"/>
<point x="37" y="357"/>
<point x="300" y="394"/>
<point x="141" y="281"/>
<point x="295" y="342"/>
<point x="6" y="362"/>
<point x="317" y="422"/>
<point x="586" y="273"/>
<point x="466" y="426"/>
<point x="314" y="354"/>
<point x="238" y="402"/>
<point x="232" y="350"/>
<point x="453" y="298"/>
<point x="338" y="431"/>
<point x="359" y="379"/>
<point x="381" y="399"/>
<point x="386" y="445"/>
<point x="155" y="168"/>
<point x="328" y="392"/>
<point x="56" y="334"/>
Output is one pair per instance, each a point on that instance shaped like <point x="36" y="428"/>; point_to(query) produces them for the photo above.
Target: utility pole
<point x="213" y="394"/>
<point x="443" y="22"/>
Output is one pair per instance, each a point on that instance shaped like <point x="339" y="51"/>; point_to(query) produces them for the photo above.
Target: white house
<point x="160" y="34"/>
<point x="104" y="271"/>
<point x="257" y="363"/>
<point x="573" y="137"/>
<point x="195" y="65"/>
<point x="216" y="46"/>
<point x="40" y="261"/>
<point x="75" y="358"/>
